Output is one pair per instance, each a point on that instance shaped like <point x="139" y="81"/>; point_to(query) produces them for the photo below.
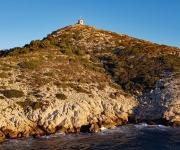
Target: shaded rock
<point x="85" y="128"/>
<point x="95" y="128"/>
<point x="9" y="133"/>
<point x="38" y="131"/>
<point x="2" y="136"/>
<point x="176" y="124"/>
<point x="133" y="119"/>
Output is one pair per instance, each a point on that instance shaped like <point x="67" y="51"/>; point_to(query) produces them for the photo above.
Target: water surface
<point x="129" y="137"/>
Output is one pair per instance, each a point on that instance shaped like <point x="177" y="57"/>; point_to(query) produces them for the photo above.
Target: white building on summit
<point x="80" y="22"/>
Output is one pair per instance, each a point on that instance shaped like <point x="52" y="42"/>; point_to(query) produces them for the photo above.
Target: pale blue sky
<point x="24" y="20"/>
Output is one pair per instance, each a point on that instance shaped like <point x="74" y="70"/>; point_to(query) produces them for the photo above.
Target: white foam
<point x="141" y="125"/>
<point x="103" y="128"/>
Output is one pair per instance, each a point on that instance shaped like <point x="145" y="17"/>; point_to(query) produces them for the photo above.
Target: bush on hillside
<point x="28" y="65"/>
<point x="3" y="75"/>
<point x="61" y="96"/>
<point x="12" y="93"/>
<point x="135" y="69"/>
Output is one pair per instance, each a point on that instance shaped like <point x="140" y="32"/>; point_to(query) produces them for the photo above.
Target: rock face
<point x="172" y="112"/>
<point x="161" y="103"/>
<point x="80" y="109"/>
<point x="80" y="79"/>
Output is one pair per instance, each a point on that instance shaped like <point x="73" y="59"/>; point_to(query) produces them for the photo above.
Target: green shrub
<point x="101" y="86"/>
<point x="48" y="74"/>
<point x="79" y="52"/>
<point x="33" y="105"/>
<point x="12" y="93"/>
<point x="3" y="75"/>
<point x="18" y="50"/>
<point x="28" y="65"/>
<point x="78" y="88"/>
<point x="38" y="80"/>
<point x="136" y="69"/>
<point x="1" y="97"/>
<point x="65" y="48"/>
<point x="45" y="44"/>
<point x="61" y="96"/>
<point x="35" y="44"/>
<point x="39" y="44"/>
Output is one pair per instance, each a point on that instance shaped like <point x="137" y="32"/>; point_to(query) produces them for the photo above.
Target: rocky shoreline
<point x="84" y="112"/>
<point x="38" y="131"/>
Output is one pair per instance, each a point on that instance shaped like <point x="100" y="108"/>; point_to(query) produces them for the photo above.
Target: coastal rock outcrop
<point x="51" y="114"/>
<point x="172" y="114"/>
<point x="161" y="104"/>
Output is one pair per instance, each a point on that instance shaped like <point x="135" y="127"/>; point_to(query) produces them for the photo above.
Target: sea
<point x="128" y="137"/>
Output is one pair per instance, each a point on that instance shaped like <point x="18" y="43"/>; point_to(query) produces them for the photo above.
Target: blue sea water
<point x="129" y="137"/>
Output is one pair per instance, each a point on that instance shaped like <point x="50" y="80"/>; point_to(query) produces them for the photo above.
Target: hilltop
<point x="80" y="78"/>
<point x="108" y="49"/>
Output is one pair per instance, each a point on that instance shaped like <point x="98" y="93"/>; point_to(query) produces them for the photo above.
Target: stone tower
<point x="80" y="22"/>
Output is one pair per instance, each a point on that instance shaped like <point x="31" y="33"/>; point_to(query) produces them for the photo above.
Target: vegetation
<point x="61" y="96"/>
<point x="12" y="93"/>
<point x="135" y="70"/>
<point x="78" y="88"/>
<point x="1" y="97"/>
<point x="3" y="75"/>
<point x="28" y="65"/>
<point x="85" y="54"/>
<point x="34" y="105"/>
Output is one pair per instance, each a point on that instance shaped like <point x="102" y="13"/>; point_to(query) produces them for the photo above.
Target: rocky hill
<point x="80" y="78"/>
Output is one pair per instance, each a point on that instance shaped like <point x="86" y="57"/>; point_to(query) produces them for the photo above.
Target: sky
<point x="154" y="20"/>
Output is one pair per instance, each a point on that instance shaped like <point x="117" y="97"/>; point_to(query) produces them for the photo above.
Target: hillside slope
<point x="80" y="78"/>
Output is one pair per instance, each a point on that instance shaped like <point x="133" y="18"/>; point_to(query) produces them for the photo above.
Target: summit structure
<point x="80" y="22"/>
